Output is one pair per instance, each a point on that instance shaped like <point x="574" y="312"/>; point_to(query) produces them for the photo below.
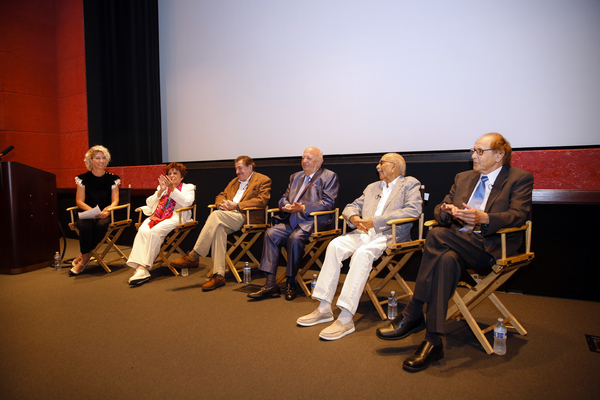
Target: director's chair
<point x="115" y="229"/>
<point x="317" y="244"/>
<point x="174" y="238"/>
<point x="394" y="264"/>
<point x="243" y="241"/>
<point x="502" y="270"/>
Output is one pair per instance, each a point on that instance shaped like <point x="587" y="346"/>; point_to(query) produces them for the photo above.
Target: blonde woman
<point x="97" y="187"/>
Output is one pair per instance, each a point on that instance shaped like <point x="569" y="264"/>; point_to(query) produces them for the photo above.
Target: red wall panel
<point x="28" y="75"/>
<point x="73" y="113"/>
<point x="70" y="39"/>
<point x="561" y="169"/>
<point x="71" y="76"/>
<point x="27" y="37"/>
<point x="28" y="113"/>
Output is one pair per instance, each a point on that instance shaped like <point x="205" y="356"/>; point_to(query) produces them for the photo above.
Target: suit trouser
<point x="148" y="241"/>
<point x="446" y="253"/>
<point x="213" y="236"/>
<point x="364" y="249"/>
<point x="294" y="240"/>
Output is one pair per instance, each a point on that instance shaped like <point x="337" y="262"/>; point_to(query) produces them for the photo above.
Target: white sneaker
<point x="314" y="318"/>
<point x="140" y="276"/>
<point x="337" y="330"/>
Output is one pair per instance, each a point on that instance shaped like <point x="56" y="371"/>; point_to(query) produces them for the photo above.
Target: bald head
<point x="311" y="160"/>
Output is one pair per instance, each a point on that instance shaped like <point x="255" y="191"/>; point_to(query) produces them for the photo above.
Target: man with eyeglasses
<point x="394" y="196"/>
<point x="492" y="196"/>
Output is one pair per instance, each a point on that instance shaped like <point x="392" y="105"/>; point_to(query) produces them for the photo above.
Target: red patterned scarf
<point x="165" y="207"/>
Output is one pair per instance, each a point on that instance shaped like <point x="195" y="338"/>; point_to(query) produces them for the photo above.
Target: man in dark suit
<point x="248" y="189"/>
<point x="312" y="189"/>
<point x="492" y="196"/>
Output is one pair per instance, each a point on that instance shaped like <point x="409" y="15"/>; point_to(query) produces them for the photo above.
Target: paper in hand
<point x="89" y="214"/>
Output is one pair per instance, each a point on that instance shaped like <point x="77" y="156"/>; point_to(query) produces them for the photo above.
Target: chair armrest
<point x="431" y="223"/>
<point x="190" y="208"/>
<point x="248" y="209"/>
<point x="70" y="210"/>
<point x="315" y="214"/>
<point x="119" y="207"/>
<point x="400" y="221"/>
<point x="517" y="229"/>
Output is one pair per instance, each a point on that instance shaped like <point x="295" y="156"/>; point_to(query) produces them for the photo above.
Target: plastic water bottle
<point x="247" y="274"/>
<point x="392" y="306"/>
<point x="500" y="338"/>
<point x="313" y="283"/>
<point x="57" y="261"/>
<point x="185" y="272"/>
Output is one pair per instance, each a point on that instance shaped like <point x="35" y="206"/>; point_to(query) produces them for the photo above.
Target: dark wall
<point x="564" y="236"/>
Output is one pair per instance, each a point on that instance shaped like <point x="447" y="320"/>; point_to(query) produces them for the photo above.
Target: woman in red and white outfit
<point x="171" y="194"/>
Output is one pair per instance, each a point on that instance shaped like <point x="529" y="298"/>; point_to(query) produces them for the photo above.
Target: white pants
<point x="364" y="249"/>
<point x="213" y="237"/>
<point x="147" y="242"/>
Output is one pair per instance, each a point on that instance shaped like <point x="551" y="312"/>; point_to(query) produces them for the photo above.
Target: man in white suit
<point x="395" y="196"/>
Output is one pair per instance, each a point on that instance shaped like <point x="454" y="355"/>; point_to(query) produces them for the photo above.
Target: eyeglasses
<point x="479" y="151"/>
<point x="384" y="161"/>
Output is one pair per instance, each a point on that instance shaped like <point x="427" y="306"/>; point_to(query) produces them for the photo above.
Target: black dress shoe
<point x="264" y="293"/>
<point x="290" y="292"/>
<point x="401" y="327"/>
<point x="425" y="354"/>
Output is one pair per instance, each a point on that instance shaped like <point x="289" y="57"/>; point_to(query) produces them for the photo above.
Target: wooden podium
<point x="29" y="213"/>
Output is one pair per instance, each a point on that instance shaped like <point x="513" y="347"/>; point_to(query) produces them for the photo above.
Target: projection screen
<point x="268" y="78"/>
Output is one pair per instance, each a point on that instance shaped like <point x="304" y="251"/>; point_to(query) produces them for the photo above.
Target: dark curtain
<point x="123" y="80"/>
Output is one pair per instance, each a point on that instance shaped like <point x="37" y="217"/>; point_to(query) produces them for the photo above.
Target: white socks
<point x="345" y="317"/>
<point x="324" y="307"/>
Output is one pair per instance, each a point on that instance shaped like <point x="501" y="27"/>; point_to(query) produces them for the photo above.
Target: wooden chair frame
<point x="174" y="238"/>
<point x="393" y="264"/>
<point x="244" y="239"/>
<point x="502" y="270"/>
<point x="115" y="229"/>
<point x="317" y="244"/>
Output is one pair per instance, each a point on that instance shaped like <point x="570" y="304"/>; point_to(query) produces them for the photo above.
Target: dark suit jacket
<point x="319" y="195"/>
<point x="257" y="194"/>
<point x="509" y="205"/>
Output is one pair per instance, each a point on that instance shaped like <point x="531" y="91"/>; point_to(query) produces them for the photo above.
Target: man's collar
<point x="247" y="180"/>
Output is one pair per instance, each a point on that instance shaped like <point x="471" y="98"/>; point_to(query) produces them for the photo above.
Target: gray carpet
<point x="95" y="337"/>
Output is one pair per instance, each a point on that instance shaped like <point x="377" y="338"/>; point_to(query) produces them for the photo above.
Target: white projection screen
<point x="267" y="78"/>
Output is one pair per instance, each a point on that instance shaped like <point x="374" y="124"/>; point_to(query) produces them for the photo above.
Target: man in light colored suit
<point x="492" y="196"/>
<point x="312" y="189"/>
<point x="248" y="189"/>
<point x="395" y="196"/>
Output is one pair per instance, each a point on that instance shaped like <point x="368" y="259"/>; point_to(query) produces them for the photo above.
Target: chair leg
<point x="472" y="323"/>
<point x="507" y="315"/>
<point x="375" y="301"/>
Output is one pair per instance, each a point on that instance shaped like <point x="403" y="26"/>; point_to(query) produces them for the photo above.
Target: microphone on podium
<point x="6" y="151"/>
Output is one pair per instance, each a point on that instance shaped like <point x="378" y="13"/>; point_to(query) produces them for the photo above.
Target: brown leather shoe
<point x="214" y="282"/>
<point x="185" y="262"/>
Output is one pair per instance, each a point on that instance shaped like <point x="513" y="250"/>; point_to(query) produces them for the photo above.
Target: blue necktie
<point x="476" y="199"/>
<point x="293" y="217"/>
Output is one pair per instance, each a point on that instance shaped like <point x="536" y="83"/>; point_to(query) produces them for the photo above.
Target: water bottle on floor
<point x="392" y="306"/>
<point x="247" y="274"/>
<point x="500" y="337"/>
<point x="57" y="261"/>
<point x="313" y="283"/>
<point x="185" y="272"/>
